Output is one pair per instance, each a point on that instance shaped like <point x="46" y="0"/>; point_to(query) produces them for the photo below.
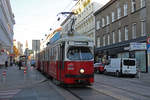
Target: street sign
<point x="148" y="48"/>
<point x="148" y="40"/>
<point x="137" y="46"/>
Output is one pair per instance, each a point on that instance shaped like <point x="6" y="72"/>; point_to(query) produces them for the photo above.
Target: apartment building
<point x="85" y="21"/>
<point x="6" y="22"/>
<point x="6" y="30"/>
<point x="122" y="28"/>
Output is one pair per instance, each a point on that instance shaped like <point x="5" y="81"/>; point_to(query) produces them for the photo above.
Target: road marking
<point x="5" y="95"/>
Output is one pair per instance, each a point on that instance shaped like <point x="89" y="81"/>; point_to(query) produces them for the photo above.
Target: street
<point x="32" y="85"/>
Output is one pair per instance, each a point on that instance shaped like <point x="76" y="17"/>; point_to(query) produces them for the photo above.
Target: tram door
<point x="61" y="62"/>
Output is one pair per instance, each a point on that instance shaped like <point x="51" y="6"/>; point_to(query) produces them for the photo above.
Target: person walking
<point x="20" y="64"/>
<point x="6" y="64"/>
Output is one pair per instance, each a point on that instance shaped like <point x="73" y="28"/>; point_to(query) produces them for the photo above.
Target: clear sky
<point x="34" y="18"/>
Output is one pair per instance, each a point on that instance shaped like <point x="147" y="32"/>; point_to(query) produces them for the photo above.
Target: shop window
<point x="141" y="60"/>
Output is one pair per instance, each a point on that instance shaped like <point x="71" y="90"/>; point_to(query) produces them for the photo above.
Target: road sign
<point x="137" y="46"/>
<point x="148" y="40"/>
<point x="148" y="48"/>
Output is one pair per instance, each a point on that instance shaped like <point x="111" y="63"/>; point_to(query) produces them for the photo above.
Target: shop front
<point x="127" y="50"/>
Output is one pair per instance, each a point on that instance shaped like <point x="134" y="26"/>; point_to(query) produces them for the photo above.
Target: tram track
<point x="99" y="95"/>
<point x="126" y="90"/>
<point x="125" y="79"/>
<point x="74" y="94"/>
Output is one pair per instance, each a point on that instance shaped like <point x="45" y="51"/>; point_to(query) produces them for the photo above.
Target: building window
<point x="108" y="39"/>
<point x="119" y="12"/>
<point x="98" y="25"/>
<point x="119" y="35"/>
<point x="98" y="42"/>
<point x="113" y="16"/>
<point x="143" y="3"/>
<point x="125" y="9"/>
<point x="113" y="35"/>
<point x="133" y="30"/>
<point x="126" y="32"/>
<point x="143" y="28"/>
<point x="104" y="40"/>
<point x="103" y="22"/>
<point x="107" y="20"/>
<point x="133" y="5"/>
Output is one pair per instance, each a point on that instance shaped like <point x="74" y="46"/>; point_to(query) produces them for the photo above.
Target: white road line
<point x="8" y="93"/>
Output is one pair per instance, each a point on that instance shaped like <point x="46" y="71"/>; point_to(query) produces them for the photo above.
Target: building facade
<point x="6" y="28"/>
<point x="20" y="47"/>
<point x="85" y="21"/>
<point x="122" y="28"/>
<point x="68" y="24"/>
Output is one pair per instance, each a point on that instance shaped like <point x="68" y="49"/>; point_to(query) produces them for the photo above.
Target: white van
<point x="121" y="66"/>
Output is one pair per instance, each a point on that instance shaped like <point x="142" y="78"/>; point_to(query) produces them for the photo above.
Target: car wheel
<point x="105" y="72"/>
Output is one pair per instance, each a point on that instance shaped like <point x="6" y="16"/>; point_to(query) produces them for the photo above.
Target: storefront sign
<point x="148" y="48"/>
<point x="138" y="46"/>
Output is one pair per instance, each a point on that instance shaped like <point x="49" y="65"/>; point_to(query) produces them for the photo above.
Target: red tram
<point x="68" y="61"/>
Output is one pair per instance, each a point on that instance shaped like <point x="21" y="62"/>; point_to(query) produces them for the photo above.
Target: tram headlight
<point x="82" y="71"/>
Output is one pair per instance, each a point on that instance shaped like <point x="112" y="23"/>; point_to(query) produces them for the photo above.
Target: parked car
<point x="121" y="66"/>
<point x="98" y="68"/>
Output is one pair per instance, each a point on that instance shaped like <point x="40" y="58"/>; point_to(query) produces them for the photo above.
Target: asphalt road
<point x="16" y="85"/>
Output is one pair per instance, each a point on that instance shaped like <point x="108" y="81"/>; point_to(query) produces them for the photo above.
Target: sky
<point x="34" y="18"/>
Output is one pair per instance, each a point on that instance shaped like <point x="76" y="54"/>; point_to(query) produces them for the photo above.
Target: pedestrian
<point x="6" y="64"/>
<point x="14" y="62"/>
<point x="20" y="64"/>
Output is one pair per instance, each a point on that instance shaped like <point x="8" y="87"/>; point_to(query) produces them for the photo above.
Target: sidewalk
<point x="145" y="77"/>
<point x="13" y="78"/>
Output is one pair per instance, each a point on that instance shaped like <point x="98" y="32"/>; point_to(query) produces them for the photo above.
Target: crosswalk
<point x="8" y="94"/>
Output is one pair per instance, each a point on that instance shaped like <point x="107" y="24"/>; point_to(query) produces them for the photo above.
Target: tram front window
<point x="79" y="53"/>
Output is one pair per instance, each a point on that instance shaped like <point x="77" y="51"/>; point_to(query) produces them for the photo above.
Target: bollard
<point x="139" y="73"/>
<point x="4" y="77"/>
<point x="4" y="73"/>
<point x="26" y="68"/>
<point x="25" y="71"/>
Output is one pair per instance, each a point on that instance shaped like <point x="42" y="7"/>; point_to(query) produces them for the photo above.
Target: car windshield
<point x="129" y="62"/>
<point x="79" y="53"/>
<point x="97" y="65"/>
